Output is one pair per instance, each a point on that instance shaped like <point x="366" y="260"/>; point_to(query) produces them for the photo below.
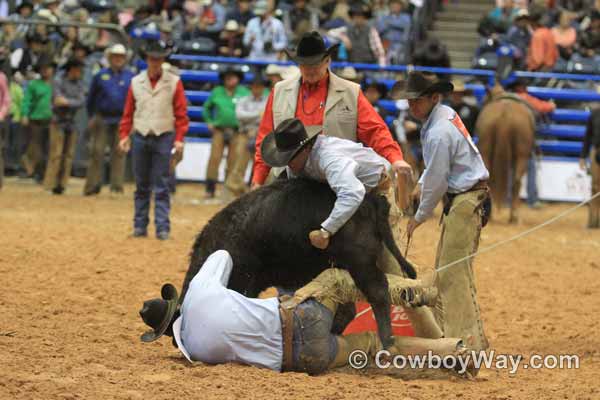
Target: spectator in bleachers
<point x="336" y="13"/>
<point x="230" y="42"/>
<point x="24" y="11"/>
<point x="301" y="18"/>
<point x="589" y="40"/>
<point x="4" y="113"/>
<point x="65" y="51"/>
<point x="248" y="112"/>
<point x="542" y="53"/>
<point x="68" y="96"/>
<point x="36" y="114"/>
<point x="219" y="115"/>
<point x="591" y="148"/>
<point x="503" y="16"/>
<point x="374" y="92"/>
<point x="265" y="35"/>
<point x="541" y="108"/>
<point x="242" y="13"/>
<point x="394" y="30"/>
<point x="519" y="36"/>
<point x="210" y="20"/>
<point x="432" y="53"/>
<point x="105" y="103"/>
<point x="360" y="38"/>
<point x="26" y="58"/>
<point x="461" y="100"/>
<point x="565" y="35"/>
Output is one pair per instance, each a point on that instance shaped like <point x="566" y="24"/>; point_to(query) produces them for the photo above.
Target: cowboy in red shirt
<point x="319" y="97"/>
<point x="153" y="125"/>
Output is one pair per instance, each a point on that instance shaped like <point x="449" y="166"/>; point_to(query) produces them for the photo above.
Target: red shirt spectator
<point x="371" y="130"/>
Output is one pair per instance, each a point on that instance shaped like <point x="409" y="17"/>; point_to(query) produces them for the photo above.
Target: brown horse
<point x="506" y="130"/>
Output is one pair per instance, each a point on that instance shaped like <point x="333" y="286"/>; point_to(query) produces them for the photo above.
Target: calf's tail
<point x="385" y="231"/>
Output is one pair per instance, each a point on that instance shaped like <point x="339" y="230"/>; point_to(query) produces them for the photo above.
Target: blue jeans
<point x="151" y="156"/>
<point x="313" y="346"/>
<point x="532" y="191"/>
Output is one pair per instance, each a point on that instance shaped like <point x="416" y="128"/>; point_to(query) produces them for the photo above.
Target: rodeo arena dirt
<point x="74" y="282"/>
<point x="181" y="219"/>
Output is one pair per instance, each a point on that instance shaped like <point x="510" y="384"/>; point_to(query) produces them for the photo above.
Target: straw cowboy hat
<point x="285" y="142"/>
<point x="158" y="313"/>
<point x="419" y="85"/>
<point x="311" y="49"/>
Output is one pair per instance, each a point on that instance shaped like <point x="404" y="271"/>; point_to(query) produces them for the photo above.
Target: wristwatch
<point x="326" y="233"/>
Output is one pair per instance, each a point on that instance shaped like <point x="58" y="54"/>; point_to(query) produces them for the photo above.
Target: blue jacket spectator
<point x="394" y="30"/>
<point x="108" y="92"/>
<point x="519" y="35"/>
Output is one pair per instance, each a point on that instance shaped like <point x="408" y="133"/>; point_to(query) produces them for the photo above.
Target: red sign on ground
<point x="365" y="321"/>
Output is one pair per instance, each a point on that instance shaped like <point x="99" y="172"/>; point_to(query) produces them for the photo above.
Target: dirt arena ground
<point x="73" y="282"/>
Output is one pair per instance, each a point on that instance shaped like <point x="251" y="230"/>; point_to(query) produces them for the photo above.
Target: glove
<point x="319" y="238"/>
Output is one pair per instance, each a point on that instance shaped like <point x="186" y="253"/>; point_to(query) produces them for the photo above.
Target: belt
<point x="287" y="333"/>
<point x="449" y="197"/>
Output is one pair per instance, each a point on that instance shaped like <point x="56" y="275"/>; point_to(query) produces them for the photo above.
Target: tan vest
<point x="341" y="114"/>
<point x="154" y="107"/>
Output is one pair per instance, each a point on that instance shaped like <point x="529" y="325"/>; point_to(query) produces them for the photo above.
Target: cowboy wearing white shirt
<point x="218" y="325"/>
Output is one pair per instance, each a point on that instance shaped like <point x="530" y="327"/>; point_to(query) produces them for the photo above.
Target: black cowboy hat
<point x="519" y="81"/>
<point x="80" y="46"/>
<point x="24" y="5"/>
<point x="379" y="86"/>
<point x="281" y="146"/>
<point x="418" y="85"/>
<point x="158" y="313"/>
<point x="35" y="37"/>
<point x="311" y="49"/>
<point x="72" y="63"/>
<point x="44" y="61"/>
<point x="231" y="71"/>
<point x="259" y="80"/>
<point x="360" y="8"/>
<point x="157" y="48"/>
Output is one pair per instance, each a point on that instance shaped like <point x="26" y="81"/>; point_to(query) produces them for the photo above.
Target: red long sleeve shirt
<point x="541" y="106"/>
<point x="371" y="129"/>
<point x="182" y="122"/>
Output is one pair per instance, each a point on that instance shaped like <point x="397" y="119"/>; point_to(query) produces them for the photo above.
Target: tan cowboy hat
<point x="350" y="74"/>
<point x="117" y="49"/>
<point x="281" y="146"/>
<point x="232" y="26"/>
<point x="418" y="85"/>
<point x="460" y="87"/>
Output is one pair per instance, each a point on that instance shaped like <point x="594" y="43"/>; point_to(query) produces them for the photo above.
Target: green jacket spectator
<point x="37" y="102"/>
<point x="219" y="109"/>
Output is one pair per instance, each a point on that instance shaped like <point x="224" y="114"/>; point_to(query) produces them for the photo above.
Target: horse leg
<point x="519" y="169"/>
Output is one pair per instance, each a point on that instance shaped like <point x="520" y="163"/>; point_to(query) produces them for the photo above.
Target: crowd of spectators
<point x="545" y="34"/>
<point x="36" y="59"/>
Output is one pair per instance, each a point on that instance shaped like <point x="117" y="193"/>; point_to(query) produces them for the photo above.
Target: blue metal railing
<point x="558" y="138"/>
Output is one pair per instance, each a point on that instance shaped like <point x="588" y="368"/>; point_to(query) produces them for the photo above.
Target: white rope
<point x="519" y="236"/>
